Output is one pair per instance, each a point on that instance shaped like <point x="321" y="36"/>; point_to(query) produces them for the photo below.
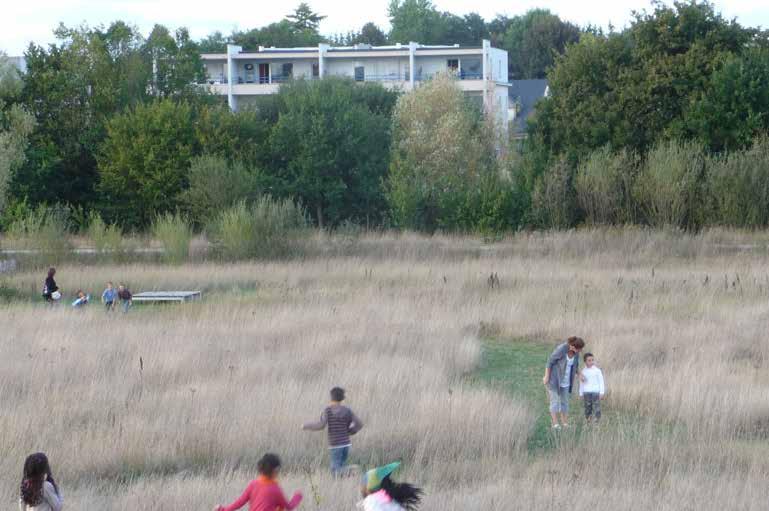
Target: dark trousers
<point x="592" y="404"/>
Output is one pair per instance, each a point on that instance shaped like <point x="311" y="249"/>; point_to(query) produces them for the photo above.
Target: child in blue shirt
<point x="108" y="297"/>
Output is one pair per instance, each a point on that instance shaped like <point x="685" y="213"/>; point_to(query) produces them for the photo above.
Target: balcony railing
<point x="389" y="77"/>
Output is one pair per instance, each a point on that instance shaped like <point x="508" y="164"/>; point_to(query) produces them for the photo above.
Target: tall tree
<point x="370" y="34"/>
<point x="304" y="18"/>
<point x="634" y="88"/>
<point x="144" y="160"/>
<point x="330" y="148"/>
<point x="533" y="40"/>
<point x="415" y="20"/>
<point x="174" y="60"/>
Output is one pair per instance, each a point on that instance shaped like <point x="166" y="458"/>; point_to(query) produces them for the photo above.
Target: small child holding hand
<point x="592" y="389"/>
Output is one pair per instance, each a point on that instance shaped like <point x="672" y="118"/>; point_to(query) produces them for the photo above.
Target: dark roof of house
<point x="526" y="93"/>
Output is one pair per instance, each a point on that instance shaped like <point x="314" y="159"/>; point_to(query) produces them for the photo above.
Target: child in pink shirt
<point x="263" y="493"/>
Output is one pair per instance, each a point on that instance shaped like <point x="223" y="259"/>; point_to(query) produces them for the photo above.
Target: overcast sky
<point x="23" y="21"/>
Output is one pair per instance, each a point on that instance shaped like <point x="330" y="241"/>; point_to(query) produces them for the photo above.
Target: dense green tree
<point x="370" y="34"/>
<point x="144" y="161"/>
<point x="734" y="107"/>
<point x="634" y="88"/>
<point x="330" y="147"/>
<point x="415" y="20"/>
<point x="533" y="40"/>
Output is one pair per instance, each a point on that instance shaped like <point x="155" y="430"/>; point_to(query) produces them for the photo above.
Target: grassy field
<point x="170" y="407"/>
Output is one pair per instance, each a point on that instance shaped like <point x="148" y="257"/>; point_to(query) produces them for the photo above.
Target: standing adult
<point x="50" y="289"/>
<point x="562" y="366"/>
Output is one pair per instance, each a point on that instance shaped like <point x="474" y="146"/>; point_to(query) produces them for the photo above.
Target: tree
<point x="415" y="20"/>
<point x="370" y="34"/>
<point x="175" y="62"/>
<point x="304" y="19"/>
<point x="732" y="109"/>
<point x="442" y="155"/>
<point x="281" y="34"/>
<point x="330" y="148"/>
<point x="144" y="160"/>
<point x="635" y="88"/>
<point x="533" y="40"/>
<point x="215" y="42"/>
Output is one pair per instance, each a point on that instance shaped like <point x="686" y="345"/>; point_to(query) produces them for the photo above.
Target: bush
<point x="45" y="229"/>
<point x="267" y="228"/>
<point x="738" y="187"/>
<point x="107" y="239"/>
<point x="174" y="232"/>
<point x="668" y="188"/>
<point x="216" y="184"/>
<point x="604" y="185"/>
<point x="553" y="203"/>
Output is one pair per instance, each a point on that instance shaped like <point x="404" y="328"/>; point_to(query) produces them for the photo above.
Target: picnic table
<point x="167" y="296"/>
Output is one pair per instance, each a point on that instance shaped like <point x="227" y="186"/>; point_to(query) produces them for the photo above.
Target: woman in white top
<point x="38" y="490"/>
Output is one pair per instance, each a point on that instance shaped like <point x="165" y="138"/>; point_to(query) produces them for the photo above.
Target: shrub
<point x="738" y="187"/>
<point x="107" y="239"/>
<point x="553" y="203"/>
<point x="45" y="229"/>
<point x="267" y="228"/>
<point x="215" y="184"/>
<point x="174" y="232"/>
<point x="668" y="188"/>
<point x="603" y="186"/>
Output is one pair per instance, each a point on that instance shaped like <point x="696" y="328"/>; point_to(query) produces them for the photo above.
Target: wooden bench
<point x="167" y="296"/>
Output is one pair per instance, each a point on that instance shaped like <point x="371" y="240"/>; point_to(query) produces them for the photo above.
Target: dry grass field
<point x="678" y="322"/>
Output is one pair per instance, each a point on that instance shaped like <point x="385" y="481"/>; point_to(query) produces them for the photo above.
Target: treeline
<point x="662" y="123"/>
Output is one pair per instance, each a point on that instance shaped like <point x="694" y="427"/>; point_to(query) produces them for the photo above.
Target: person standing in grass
<point x="108" y="297"/>
<point x="592" y="389"/>
<point x="342" y="423"/>
<point x="38" y="491"/>
<point x="263" y="493"/>
<point x="125" y="296"/>
<point x="562" y="367"/>
<point x="51" y="291"/>
<point x="381" y="493"/>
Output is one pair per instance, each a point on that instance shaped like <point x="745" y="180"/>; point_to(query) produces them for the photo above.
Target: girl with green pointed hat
<point x="380" y="493"/>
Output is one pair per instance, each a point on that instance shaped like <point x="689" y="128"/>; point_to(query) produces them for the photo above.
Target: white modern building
<point x="243" y="75"/>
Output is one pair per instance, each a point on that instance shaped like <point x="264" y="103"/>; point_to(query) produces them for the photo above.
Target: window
<point x="453" y="65"/>
<point x="316" y="70"/>
<point x="472" y="69"/>
<point x="360" y="74"/>
<point x="287" y="70"/>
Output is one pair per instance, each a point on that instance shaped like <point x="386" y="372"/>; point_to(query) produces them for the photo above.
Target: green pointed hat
<point x="373" y="478"/>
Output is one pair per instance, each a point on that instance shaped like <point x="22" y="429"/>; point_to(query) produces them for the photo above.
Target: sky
<point x="34" y="20"/>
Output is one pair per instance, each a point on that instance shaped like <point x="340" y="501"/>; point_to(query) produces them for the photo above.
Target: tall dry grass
<point x="676" y="321"/>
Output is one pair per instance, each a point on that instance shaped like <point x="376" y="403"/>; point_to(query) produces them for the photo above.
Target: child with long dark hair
<point x="263" y="493"/>
<point x="381" y="493"/>
<point x="38" y="490"/>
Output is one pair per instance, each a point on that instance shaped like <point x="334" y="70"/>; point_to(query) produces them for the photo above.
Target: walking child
<point x="592" y="389"/>
<point x="38" y="490"/>
<point x="342" y="423"/>
<point x="263" y="493"/>
<point x="125" y="296"/>
<point x="51" y="292"/>
<point x="108" y="297"/>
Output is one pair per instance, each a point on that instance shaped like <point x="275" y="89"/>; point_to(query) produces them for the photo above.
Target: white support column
<point x="232" y="72"/>
<point x="488" y="91"/>
<point x="322" y="49"/>
<point x="412" y="66"/>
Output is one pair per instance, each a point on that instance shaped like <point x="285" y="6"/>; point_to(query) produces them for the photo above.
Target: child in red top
<point x="263" y="493"/>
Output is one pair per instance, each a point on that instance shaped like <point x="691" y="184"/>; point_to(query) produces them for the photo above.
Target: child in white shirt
<point x="591" y="389"/>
